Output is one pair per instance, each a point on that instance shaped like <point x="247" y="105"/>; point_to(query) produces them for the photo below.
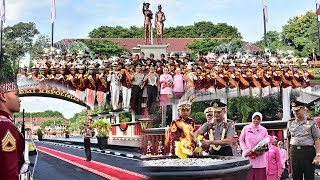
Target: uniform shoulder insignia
<point x="173" y="127"/>
<point x="8" y="142"/>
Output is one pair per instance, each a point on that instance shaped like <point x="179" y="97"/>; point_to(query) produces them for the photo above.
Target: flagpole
<point x="52" y="28"/>
<point x="265" y="24"/>
<point x="317" y="6"/>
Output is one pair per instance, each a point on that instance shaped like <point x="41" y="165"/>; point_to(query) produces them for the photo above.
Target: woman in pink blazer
<point x="274" y="166"/>
<point x="250" y="136"/>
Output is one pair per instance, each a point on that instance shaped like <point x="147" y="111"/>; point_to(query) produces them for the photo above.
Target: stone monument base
<point x="157" y="50"/>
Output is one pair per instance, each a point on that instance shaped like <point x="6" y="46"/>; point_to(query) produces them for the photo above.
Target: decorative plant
<point x="103" y="128"/>
<point x="39" y="133"/>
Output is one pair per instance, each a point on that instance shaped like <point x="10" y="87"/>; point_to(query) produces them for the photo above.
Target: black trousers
<point x="136" y="98"/>
<point x="152" y="92"/>
<point x="223" y="151"/>
<point x="87" y="149"/>
<point x="301" y="162"/>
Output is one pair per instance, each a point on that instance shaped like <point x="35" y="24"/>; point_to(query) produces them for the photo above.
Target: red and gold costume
<point x="176" y="131"/>
<point x="11" y="150"/>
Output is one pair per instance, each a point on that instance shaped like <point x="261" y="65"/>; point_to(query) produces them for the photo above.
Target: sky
<point x="76" y="18"/>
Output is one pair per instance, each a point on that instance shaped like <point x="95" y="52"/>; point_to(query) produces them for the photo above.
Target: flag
<point x="265" y="11"/>
<point x="318" y="9"/>
<point x="53" y="11"/>
<point x="3" y="11"/>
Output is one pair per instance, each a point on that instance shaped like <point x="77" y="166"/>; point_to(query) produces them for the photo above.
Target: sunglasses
<point x="209" y="114"/>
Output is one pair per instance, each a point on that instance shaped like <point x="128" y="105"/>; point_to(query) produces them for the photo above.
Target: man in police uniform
<point x="220" y="131"/>
<point x="303" y="134"/>
<point x="176" y="129"/>
<point x="11" y="140"/>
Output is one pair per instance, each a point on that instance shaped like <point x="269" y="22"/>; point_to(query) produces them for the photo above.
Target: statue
<point x="159" y="23"/>
<point x="147" y="23"/>
<point x="149" y="148"/>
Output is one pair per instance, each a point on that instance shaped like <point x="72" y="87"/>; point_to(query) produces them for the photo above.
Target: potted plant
<point x="40" y="134"/>
<point x="103" y="128"/>
<point x="67" y="133"/>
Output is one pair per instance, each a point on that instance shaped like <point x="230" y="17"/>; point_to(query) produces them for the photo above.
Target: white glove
<point x="267" y="75"/>
<point x="275" y="74"/>
<point x="233" y="76"/>
<point x="286" y="74"/>
<point x="90" y="76"/>
<point x="71" y="77"/>
<point x="100" y="76"/>
<point x="221" y="75"/>
<point x="255" y="76"/>
<point x="296" y="75"/>
<point x="80" y="75"/>
<point x="243" y="75"/>
<point x="306" y="74"/>
<point x="24" y="168"/>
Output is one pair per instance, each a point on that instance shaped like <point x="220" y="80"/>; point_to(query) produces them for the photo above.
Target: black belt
<point x="301" y="147"/>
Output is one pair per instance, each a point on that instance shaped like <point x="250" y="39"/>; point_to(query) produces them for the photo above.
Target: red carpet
<point x="104" y="170"/>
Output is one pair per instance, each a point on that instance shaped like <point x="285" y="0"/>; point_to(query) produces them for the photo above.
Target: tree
<point x="201" y="29"/>
<point x="17" y="41"/>
<point x="104" y="46"/>
<point x="301" y="33"/>
<point x="45" y="114"/>
<point x="43" y="41"/>
<point x="77" y="47"/>
<point x="204" y="46"/>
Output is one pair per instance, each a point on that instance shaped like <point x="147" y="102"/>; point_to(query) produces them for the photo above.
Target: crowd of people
<point x="269" y="158"/>
<point x="123" y="81"/>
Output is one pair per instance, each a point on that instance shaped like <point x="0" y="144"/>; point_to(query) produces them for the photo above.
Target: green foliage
<point x="125" y="117"/>
<point x="37" y="49"/>
<point x="103" y="128"/>
<point x="46" y="124"/>
<point x="273" y="42"/>
<point x="301" y="33"/>
<point x="45" y="114"/>
<point x="17" y="41"/>
<point x="199" y="117"/>
<point x="77" y="47"/>
<point x="39" y="132"/>
<point x="314" y="111"/>
<point x="198" y="30"/>
<point x="245" y="106"/>
<point x="104" y="46"/>
<point x="204" y="46"/>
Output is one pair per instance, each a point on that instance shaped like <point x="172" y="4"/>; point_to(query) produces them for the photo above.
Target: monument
<point x="148" y="47"/>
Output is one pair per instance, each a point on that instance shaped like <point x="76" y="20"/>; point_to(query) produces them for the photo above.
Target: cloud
<point x="18" y="9"/>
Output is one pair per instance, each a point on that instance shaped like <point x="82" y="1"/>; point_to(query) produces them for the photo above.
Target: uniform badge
<point x="215" y="105"/>
<point x="8" y="142"/>
<point x="174" y="128"/>
<point x="293" y="104"/>
<point x="306" y="132"/>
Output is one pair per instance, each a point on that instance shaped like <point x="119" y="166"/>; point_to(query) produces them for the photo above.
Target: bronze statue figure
<point x="147" y="23"/>
<point x="159" y="23"/>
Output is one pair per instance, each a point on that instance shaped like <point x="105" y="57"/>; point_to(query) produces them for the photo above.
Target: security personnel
<point x="177" y="125"/>
<point x="303" y="134"/>
<point x="220" y="130"/>
<point x="11" y="140"/>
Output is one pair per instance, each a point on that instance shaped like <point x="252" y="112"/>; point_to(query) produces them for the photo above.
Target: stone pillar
<point x="286" y="103"/>
<point x="164" y="115"/>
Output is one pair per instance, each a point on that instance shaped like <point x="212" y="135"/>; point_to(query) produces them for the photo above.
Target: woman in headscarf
<point x="250" y="136"/>
<point x="274" y="167"/>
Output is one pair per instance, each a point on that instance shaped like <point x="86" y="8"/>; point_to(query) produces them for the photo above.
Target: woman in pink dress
<point x="274" y="167"/>
<point x="166" y="87"/>
<point x="250" y="136"/>
<point x="283" y="158"/>
<point x="178" y="84"/>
